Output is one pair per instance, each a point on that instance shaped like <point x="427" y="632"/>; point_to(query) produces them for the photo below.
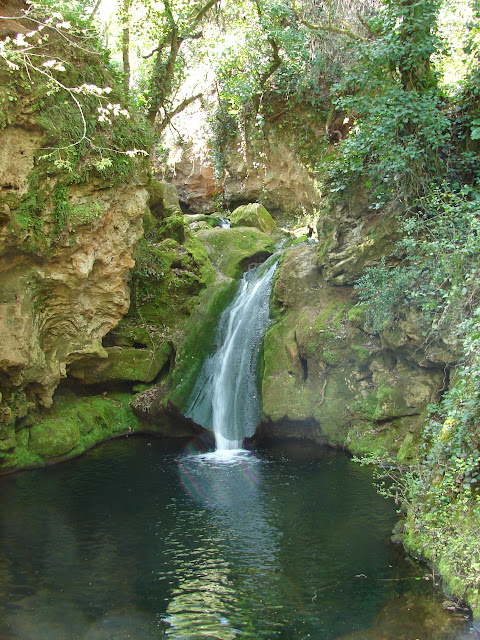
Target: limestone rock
<point x="280" y="181"/>
<point x="273" y="174"/>
<point x="352" y="238"/>
<point x="163" y="198"/>
<point x="327" y="380"/>
<point x="57" y="307"/>
<point x="123" y="364"/>
<point x="193" y="175"/>
<point x="231" y="250"/>
<point x="253" y="215"/>
<point x="17" y="151"/>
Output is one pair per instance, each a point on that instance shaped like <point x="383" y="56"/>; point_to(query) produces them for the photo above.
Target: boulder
<point x="253" y="215"/>
<point x="122" y="364"/>
<point x="232" y="250"/>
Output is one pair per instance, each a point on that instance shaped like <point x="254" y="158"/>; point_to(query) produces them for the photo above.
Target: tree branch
<point x="203" y="11"/>
<point x="178" y="109"/>
<point x="329" y="28"/>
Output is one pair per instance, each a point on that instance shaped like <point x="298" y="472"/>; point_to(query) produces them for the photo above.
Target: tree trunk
<point x="126" y="45"/>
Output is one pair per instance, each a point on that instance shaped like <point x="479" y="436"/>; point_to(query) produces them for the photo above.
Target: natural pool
<point x="139" y="539"/>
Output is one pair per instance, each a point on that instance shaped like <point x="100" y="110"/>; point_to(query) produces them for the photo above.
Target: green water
<point x="142" y="540"/>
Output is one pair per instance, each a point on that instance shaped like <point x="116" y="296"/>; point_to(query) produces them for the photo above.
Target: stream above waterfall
<point x="140" y="539"/>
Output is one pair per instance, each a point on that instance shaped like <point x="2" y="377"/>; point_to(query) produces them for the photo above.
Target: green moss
<point x="171" y="269"/>
<point x="70" y="427"/>
<point x="356" y="315"/>
<point x="200" y="334"/>
<point x="362" y="354"/>
<point x="231" y="249"/>
<point x="253" y="215"/>
<point x="55" y="438"/>
<point x="123" y="364"/>
<point x="332" y="316"/>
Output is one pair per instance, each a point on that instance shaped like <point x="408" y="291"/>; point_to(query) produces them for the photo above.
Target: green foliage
<point x="439" y="274"/>
<point x="67" y="217"/>
<point x="60" y="72"/>
<point x="395" y="148"/>
<point x="400" y="131"/>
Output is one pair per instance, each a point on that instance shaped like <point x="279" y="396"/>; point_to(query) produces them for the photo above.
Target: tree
<point x="174" y="30"/>
<point x="391" y="93"/>
<point x="126" y="44"/>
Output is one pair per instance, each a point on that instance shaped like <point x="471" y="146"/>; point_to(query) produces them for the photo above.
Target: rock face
<point x="352" y="238"/>
<point x="272" y="174"/>
<point x="328" y="380"/>
<point x="57" y="306"/>
<point x="269" y="171"/>
<point x="193" y="176"/>
<point x="70" y="220"/>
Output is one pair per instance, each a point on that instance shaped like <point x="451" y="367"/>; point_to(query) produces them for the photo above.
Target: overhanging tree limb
<point x="178" y="109"/>
<point x="327" y="28"/>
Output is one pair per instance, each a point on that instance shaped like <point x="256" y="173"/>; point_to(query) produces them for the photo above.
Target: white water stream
<point x="226" y="398"/>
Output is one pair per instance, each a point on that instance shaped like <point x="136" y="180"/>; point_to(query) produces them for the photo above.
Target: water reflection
<point x="136" y="541"/>
<point x="239" y="556"/>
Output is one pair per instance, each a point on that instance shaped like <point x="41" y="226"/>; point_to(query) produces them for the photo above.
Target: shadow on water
<point x="136" y="540"/>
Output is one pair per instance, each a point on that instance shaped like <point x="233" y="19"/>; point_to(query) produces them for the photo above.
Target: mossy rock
<point x="231" y="250"/>
<point x="123" y="364"/>
<point x="163" y="199"/>
<point x="399" y="438"/>
<point x="199" y="337"/>
<point x="321" y="369"/>
<point x="73" y="425"/>
<point x="55" y="437"/>
<point x="253" y="215"/>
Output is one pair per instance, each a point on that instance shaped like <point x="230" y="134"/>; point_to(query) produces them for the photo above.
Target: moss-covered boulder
<point x="232" y="250"/>
<point x="123" y="364"/>
<point x="73" y="425"/>
<point x="253" y="215"/>
<point x="163" y="198"/>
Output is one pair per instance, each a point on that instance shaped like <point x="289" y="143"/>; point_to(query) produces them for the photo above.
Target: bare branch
<point x="178" y="109"/>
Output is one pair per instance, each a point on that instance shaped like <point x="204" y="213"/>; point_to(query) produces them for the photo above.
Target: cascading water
<point x="226" y="399"/>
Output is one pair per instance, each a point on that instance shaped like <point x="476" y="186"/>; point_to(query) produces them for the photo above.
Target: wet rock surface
<point x="328" y="380"/>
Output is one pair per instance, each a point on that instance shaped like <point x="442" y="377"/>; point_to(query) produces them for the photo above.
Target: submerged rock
<point x="44" y="615"/>
<point x="412" y="617"/>
<point x="123" y="625"/>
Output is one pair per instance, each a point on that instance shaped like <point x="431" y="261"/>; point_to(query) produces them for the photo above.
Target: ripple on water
<point x="140" y="541"/>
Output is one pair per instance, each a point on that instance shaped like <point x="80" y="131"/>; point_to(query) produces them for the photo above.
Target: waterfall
<point x="226" y="398"/>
